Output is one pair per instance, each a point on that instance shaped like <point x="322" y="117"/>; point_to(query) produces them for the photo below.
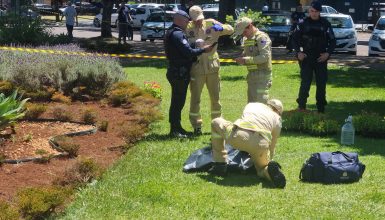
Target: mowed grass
<point x="148" y="182"/>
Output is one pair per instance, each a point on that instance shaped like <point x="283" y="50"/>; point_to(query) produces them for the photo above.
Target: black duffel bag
<point x="332" y="167"/>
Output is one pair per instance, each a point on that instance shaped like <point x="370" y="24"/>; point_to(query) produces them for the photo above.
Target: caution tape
<point x="139" y="56"/>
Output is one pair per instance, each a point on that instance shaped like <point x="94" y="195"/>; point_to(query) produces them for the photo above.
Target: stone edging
<point x="52" y="142"/>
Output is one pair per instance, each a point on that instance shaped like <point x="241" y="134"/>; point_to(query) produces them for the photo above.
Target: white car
<point x="140" y="14"/>
<point x="377" y="40"/>
<point x="156" y="25"/>
<point x="344" y="31"/>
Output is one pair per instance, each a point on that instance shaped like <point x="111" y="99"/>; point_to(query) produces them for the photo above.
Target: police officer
<point x="180" y="56"/>
<point x="257" y="58"/>
<point x="206" y="69"/>
<point x="256" y="132"/>
<point x="316" y="38"/>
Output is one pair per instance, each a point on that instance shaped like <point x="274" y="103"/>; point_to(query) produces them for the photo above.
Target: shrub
<point x="103" y="126"/>
<point x="154" y="89"/>
<point x="40" y="203"/>
<point x="89" y="116"/>
<point x="310" y="122"/>
<point x="82" y="172"/>
<point x="34" y="72"/>
<point x="60" y="97"/>
<point x="123" y="93"/>
<point x="34" y="110"/>
<point x="67" y="144"/>
<point x="61" y="113"/>
<point x="6" y="87"/>
<point x="133" y="133"/>
<point x="369" y="125"/>
<point x="7" y="212"/>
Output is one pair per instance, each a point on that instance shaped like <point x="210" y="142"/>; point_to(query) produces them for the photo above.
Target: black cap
<point x="316" y="5"/>
<point x="183" y="13"/>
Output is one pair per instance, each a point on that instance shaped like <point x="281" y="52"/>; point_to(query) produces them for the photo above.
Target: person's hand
<point x="208" y="48"/>
<point x="323" y="57"/>
<point x="217" y="27"/>
<point x="301" y="56"/>
<point x="240" y="60"/>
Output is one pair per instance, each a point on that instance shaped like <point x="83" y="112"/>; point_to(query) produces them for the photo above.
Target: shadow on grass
<point x="352" y="78"/>
<point x="236" y="180"/>
<point x="232" y="78"/>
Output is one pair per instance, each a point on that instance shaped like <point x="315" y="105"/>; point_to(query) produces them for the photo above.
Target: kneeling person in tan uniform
<point x="256" y="132"/>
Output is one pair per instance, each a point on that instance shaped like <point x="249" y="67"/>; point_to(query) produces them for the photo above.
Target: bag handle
<point x="330" y="161"/>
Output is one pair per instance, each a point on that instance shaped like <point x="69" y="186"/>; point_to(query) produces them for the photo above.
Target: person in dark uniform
<point x="297" y="17"/>
<point x="316" y="38"/>
<point x="180" y="56"/>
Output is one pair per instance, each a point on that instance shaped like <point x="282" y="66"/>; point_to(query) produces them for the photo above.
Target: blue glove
<point x="217" y="27"/>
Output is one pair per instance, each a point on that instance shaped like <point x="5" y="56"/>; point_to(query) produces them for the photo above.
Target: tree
<point x="106" y="18"/>
<point x="226" y="7"/>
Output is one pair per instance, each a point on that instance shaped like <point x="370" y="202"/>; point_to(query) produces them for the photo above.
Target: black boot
<point x="277" y="177"/>
<point x="178" y="132"/>
<point x="218" y="169"/>
<point x="197" y="131"/>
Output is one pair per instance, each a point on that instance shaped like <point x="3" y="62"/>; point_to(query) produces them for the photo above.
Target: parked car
<point x="377" y="40"/>
<point x="172" y="7"/>
<point x="344" y="31"/>
<point x="114" y="18"/>
<point x="279" y="28"/>
<point x="140" y="15"/>
<point x="43" y="8"/>
<point x="156" y="25"/>
<point x="212" y="12"/>
<point x="325" y="10"/>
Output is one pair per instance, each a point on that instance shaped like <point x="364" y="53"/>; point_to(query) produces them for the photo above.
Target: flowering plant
<point x="153" y="88"/>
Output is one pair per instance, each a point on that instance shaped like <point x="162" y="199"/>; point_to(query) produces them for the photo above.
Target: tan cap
<point x="276" y="104"/>
<point x="241" y="24"/>
<point x="196" y="13"/>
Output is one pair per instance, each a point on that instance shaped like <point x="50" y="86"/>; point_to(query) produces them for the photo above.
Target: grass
<point x="148" y="182"/>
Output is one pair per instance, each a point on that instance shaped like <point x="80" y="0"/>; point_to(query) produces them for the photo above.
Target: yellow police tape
<point x="140" y="56"/>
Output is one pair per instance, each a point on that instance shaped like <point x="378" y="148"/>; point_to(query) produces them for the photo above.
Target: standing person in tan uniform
<point x="257" y="58"/>
<point x="206" y="69"/>
<point x="256" y="132"/>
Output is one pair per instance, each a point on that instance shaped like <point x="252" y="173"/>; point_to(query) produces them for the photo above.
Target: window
<point x="140" y="11"/>
<point x="380" y="24"/>
<point x="340" y="22"/>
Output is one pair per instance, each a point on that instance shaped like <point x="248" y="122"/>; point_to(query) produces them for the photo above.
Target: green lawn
<point x="148" y="182"/>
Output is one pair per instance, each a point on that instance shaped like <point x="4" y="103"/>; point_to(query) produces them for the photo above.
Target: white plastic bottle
<point x="347" y="132"/>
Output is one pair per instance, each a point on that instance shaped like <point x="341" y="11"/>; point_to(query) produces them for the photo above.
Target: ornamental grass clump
<point x="123" y="93"/>
<point x="11" y="109"/>
<point x="62" y="72"/>
<point x="7" y="212"/>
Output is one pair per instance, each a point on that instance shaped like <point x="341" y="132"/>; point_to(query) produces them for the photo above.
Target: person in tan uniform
<point x="257" y="58"/>
<point x="205" y="70"/>
<point x="256" y="132"/>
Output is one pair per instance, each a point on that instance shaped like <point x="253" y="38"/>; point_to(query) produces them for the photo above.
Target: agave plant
<point x="11" y="109"/>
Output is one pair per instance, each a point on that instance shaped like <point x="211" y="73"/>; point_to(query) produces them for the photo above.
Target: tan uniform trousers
<point x="259" y="83"/>
<point x="198" y="80"/>
<point x="241" y="139"/>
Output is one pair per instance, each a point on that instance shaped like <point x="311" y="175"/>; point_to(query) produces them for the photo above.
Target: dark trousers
<point x="178" y="99"/>
<point x="310" y="66"/>
<point x="70" y="28"/>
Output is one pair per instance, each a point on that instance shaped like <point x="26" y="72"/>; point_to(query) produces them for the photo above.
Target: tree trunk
<point x="106" y="18"/>
<point x="226" y="7"/>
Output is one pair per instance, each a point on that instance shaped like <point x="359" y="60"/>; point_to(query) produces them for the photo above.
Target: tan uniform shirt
<point x="261" y="118"/>
<point x="257" y="52"/>
<point x="207" y="62"/>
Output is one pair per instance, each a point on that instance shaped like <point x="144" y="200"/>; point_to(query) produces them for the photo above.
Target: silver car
<point x="377" y="40"/>
<point x="344" y="31"/>
<point x="156" y="25"/>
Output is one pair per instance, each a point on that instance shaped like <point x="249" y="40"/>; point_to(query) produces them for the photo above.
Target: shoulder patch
<point x="263" y="40"/>
<point x="208" y="30"/>
<point x="184" y="41"/>
<point x="191" y="34"/>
